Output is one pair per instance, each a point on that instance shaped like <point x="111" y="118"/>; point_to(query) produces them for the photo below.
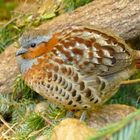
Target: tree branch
<point x="121" y="16"/>
<point x="130" y="82"/>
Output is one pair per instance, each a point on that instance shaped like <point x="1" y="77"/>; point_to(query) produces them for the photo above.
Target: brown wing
<point x="92" y="51"/>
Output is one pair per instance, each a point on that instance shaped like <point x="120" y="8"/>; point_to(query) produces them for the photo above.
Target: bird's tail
<point x="137" y="58"/>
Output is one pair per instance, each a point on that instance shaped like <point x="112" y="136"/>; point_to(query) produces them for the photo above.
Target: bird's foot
<point x="70" y="114"/>
<point x="83" y="116"/>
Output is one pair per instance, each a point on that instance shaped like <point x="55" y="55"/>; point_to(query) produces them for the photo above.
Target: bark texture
<point x="121" y="16"/>
<point x="8" y="69"/>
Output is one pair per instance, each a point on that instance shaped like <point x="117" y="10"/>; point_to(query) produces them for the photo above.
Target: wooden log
<point x="120" y="16"/>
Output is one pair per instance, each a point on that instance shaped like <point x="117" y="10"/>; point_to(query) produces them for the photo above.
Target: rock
<point x="108" y="114"/>
<point x="8" y="69"/>
<point x="42" y="138"/>
<point x="72" y="129"/>
<point x="41" y="107"/>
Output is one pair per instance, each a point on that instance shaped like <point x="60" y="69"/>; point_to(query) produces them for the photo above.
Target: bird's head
<point x="33" y="44"/>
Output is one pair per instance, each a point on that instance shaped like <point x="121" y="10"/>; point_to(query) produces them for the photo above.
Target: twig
<point x="6" y="124"/>
<point x="4" y="134"/>
<point x="36" y="132"/>
<point x="130" y="82"/>
<point x="12" y="20"/>
<point x="47" y="120"/>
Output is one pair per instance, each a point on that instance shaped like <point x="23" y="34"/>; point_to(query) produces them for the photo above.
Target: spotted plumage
<point x="78" y="67"/>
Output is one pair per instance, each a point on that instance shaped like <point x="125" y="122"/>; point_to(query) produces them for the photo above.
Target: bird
<point x="78" y="67"/>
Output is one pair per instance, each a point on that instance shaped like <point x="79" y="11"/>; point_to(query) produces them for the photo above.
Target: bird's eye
<point x="33" y="45"/>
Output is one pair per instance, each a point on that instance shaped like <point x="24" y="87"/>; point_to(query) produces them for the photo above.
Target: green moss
<point x="35" y="121"/>
<point x="20" y="87"/>
<point x="70" y="5"/>
<point x="128" y="94"/>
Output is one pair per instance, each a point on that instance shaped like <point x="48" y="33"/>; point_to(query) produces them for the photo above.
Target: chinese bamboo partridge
<point x="78" y="67"/>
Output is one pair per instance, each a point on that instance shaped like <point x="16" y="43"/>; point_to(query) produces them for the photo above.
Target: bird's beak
<point x="21" y="51"/>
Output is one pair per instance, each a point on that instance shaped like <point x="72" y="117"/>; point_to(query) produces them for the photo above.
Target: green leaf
<point x="48" y="16"/>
